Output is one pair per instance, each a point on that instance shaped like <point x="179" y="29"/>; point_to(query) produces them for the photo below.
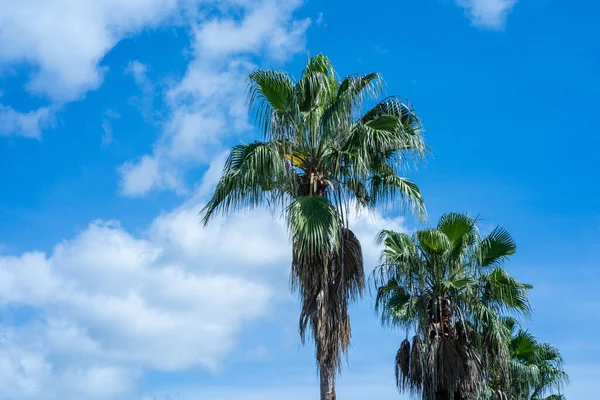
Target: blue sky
<point x="113" y="122"/>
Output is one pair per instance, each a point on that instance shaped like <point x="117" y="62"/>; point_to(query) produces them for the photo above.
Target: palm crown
<point x="536" y="368"/>
<point x="447" y="286"/>
<point x="321" y="155"/>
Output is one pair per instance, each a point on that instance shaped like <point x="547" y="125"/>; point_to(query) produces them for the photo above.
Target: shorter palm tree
<point x="447" y="287"/>
<point x="536" y="371"/>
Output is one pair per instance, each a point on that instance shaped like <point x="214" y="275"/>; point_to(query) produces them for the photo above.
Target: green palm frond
<point x="399" y="257"/>
<point x="250" y="175"/>
<point x="397" y="306"/>
<point x="317" y="85"/>
<point x="536" y="368"/>
<point x="457" y="285"/>
<point x="433" y="241"/>
<point x="495" y="247"/>
<point x="315" y="227"/>
<point x="503" y="292"/>
<point x="408" y="130"/>
<point x="523" y="346"/>
<point x="385" y="186"/>
<point x="351" y="93"/>
<point x="269" y="92"/>
<point x="460" y="230"/>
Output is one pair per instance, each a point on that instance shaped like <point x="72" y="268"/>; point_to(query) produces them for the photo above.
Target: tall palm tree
<point x="536" y="370"/>
<point x="321" y="156"/>
<point x="446" y="286"/>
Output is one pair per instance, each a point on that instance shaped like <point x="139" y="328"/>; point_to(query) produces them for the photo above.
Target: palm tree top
<point x="319" y="141"/>
<point x="447" y="286"/>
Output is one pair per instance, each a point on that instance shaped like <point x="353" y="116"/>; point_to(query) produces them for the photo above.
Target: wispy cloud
<point x="319" y="19"/>
<point x="108" y="137"/>
<point x="381" y="50"/>
<point x="27" y="124"/>
<point x="145" y="101"/>
<point x="487" y="14"/>
<point x="208" y="105"/>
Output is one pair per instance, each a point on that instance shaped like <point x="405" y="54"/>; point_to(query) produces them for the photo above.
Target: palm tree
<point x="446" y="285"/>
<point x="321" y="156"/>
<point x="536" y="370"/>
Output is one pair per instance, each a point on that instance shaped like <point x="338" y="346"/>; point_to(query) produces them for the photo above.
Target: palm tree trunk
<point x="442" y="395"/>
<point x="327" y="379"/>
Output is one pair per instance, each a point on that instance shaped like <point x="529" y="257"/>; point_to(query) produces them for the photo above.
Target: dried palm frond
<point x="403" y="365"/>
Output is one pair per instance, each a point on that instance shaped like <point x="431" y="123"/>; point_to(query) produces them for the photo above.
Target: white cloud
<point x="26" y="373"/>
<point x="319" y="19"/>
<point x="108" y="136"/>
<point x="139" y="72"/>
<point x="65" y="40"/>
<point x="111" y="304"/>
<point x="146" y="174"/>
<point x="28" y="124"/>
<point x="207" y="106"/>
<point x="265" y="27"/>
<point x="489" y="14"/>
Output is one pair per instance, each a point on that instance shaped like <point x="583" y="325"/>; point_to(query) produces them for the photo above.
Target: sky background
<point x="114" y="119"/>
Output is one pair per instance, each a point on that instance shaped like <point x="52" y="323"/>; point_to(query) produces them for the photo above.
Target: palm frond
<point x="460" y="230"/>
<point x="252" y="174"/>
<point x="495" y="247"/>
<point x="356" y="88"/>
<point x="399" y="256"/>
<point x="407" y="132"/>
<point x="269" y="92"/>
<point x="350" y="266"/>
<point x="416" y="365"/>
<point x="433" y="241"/>
<point x="315" y="227"/>
<point x="317" y="85"/>
<point x="396" y="305"/>
<point x="386" y="186"/>
<point x="403" y="365"/>
<point x="503" y="292"/>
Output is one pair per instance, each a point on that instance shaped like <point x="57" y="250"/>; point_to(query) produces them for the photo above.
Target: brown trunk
<point x="313" y="184"/>
<point x="327" y="384"/>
